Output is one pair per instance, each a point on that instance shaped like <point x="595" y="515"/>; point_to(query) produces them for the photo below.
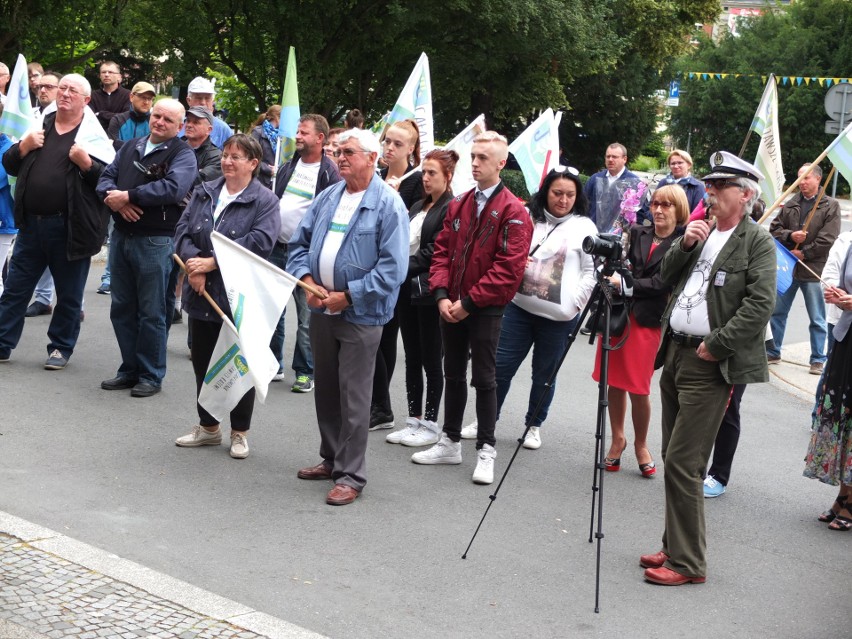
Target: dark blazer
<point x="419" y="263"/>
<point x="650" y="294"/>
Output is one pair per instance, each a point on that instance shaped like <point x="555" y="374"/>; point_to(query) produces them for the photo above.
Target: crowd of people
<point x="475" y="280"/>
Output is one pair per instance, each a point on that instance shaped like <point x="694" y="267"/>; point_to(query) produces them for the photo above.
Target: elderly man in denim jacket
<point x="352" y="246"/>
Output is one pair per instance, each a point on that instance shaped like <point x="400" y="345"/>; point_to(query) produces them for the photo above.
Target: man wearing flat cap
<point x="723" y="278"/>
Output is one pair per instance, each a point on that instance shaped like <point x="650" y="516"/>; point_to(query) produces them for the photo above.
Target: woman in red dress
<point x="632" y="366"/>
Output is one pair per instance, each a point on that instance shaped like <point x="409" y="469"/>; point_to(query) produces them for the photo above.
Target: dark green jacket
<point x="739" y="309"/>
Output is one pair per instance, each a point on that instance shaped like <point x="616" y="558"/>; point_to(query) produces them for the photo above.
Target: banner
<point x="91" y="135"/>
<point x="462" y="144"/>
<point x="257" y="293"/>
<point x="290" y="114"/>
<point x="840" y="153"/>
<point x="768" y="160"/>
<point x="17" y="116"/>
<point x="415" y="102"/>
<point x="537" y="149"/>
<point x="786" y="264"/>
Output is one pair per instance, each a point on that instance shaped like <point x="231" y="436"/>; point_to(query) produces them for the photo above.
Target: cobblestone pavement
<point x="58" y="598"/>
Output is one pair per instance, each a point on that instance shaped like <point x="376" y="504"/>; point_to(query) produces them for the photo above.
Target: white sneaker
<point x="278" y="377"/>
<point x="200" y="437"/>
<point x="411" y="425"/>
<point x="533" y="438"/>
<point x="239" y="445"/>
<point x="470" y="431"/>
<point x="429" y="433"/>
<point x="446" y="451"/>
<point x="484" y="473"/>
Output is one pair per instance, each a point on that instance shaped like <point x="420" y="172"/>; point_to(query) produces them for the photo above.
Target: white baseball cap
<point x="201" y="85"/>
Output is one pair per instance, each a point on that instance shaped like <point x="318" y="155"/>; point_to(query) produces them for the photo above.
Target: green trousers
<point x="694" y="396"/>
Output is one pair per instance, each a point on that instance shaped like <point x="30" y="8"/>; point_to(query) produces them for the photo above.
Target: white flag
<point x="537" y="149"/>
<point x="768" y="159"/>
<point x="257" y="293"/>
<point x="91" y="135"/>
<point x="462" y="144"/>
<point x="17" y="116"/>
<point x="415" y="102"/>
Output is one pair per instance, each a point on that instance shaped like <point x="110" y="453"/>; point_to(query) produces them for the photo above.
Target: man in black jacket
<point x="61" y="220"/>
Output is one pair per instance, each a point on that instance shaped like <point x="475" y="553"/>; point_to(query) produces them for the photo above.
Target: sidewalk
<point x="792" y="375"/>
<point x="52" y="586"/>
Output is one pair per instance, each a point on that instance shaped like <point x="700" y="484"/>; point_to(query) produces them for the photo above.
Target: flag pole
<point x="310" y="289"/>
<point x="795" y="183"/>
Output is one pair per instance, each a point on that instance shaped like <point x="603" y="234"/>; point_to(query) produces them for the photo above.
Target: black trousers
<point x="421" y="339"/>
<point x="476" y="335"/>
<point x="727" y="438"/>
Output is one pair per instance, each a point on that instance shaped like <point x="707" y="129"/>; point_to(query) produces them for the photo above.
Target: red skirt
<point x="631" y="366"/>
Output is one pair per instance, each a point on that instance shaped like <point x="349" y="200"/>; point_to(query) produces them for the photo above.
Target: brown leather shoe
<point x="341" y="495"/>
<point x="653" y="561"/>
<point x="320" y="471"/>
<point x="668" y="577"/>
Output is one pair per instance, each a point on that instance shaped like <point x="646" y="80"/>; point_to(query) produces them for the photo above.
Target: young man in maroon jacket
<point x="479" y="260"/>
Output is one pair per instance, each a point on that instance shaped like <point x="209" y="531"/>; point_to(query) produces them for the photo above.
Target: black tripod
<point x="601" y="301"/>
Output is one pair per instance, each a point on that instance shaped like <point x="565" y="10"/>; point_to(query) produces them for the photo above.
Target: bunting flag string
<point x="783" y="80"/>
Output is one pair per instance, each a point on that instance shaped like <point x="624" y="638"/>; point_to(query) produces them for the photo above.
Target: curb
<point x="173" y="590"/>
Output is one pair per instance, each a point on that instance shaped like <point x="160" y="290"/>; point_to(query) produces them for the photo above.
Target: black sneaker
<point x="55" y="361"/>
<point x="380" y="420"/>
<point x="177" y="318"/>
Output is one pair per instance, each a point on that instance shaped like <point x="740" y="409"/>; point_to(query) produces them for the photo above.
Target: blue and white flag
<point x="17" y="116"/>
<point x="786" y="263"/>
<point x="537" y="149"/>
<point x="768" y="159"/>
<point x="415" y="102"/>
<point x="257" y="293"/>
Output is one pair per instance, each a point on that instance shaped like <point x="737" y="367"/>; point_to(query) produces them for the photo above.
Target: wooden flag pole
<point x="816" y="204"/>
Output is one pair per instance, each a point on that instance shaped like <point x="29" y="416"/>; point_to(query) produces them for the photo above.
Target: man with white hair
<point x="5" y="78"/>
<point x="723" y="278"/>
<point x="144" y="186"/>
<point x="201" y="93"/>
<point x="351" y="245"/>
<point x="62" y="222"/>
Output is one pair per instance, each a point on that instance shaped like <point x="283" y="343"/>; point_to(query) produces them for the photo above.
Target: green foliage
<point x="233" y="96"/>
<point x="644" y="163"/>
<point x="812" y="38"/>
<point x="514" y="181"/>
<point x="655" y="148"/>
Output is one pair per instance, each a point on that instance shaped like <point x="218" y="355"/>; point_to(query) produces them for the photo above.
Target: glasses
<point x="142" y="96"/>
<point x="720" y="184"/>
<point x="348" y="153"/>
<point x="562" y="170"/>
<point x="65" y="88"/>
<point x="110" y="72"/>
<point x="47" y="87"/>
<point x="233" y="158"/>
<point x="656" y="204"/>
<point x="677" y="163"/>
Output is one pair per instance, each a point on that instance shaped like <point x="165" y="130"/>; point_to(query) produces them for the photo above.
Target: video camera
<point x="605" y="245"/>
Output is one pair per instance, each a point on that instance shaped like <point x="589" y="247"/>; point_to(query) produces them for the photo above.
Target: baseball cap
<point x="201" y="85"/>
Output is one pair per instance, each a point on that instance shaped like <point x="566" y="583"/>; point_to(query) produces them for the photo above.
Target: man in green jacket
<point x="723" y="278"/>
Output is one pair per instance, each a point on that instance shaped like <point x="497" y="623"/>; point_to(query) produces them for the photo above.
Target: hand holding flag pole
<point x="310" y="289"/>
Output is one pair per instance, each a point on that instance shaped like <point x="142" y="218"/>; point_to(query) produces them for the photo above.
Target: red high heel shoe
<point x="613" y="464"/>
<point x="648" y="470"/>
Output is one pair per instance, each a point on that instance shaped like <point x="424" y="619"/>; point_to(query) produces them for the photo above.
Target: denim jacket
<point x="372" y="261"/>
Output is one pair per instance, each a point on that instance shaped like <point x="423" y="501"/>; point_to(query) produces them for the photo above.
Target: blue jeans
<point x="814" y="303"/>
<point x="42" y="244"/>
<point x="105" y="276"/>
<point x="303" y="361"/>
<point x="140" y="268"/>
<point x="519" y="332"/>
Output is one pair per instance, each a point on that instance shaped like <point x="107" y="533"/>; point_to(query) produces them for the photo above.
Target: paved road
<point x="101" y="468"/>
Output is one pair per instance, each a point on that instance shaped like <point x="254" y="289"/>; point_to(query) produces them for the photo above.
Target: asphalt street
<point x="101" y="467"/>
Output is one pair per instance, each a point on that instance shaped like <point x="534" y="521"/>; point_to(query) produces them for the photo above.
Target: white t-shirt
<point x="689" y="314"/>
<point x="225" y="198"/>
<point x="349" y="203"/>
<point x="297" y="197"/>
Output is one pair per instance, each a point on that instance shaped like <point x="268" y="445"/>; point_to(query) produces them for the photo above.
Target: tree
<point x="813" y="38"/>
